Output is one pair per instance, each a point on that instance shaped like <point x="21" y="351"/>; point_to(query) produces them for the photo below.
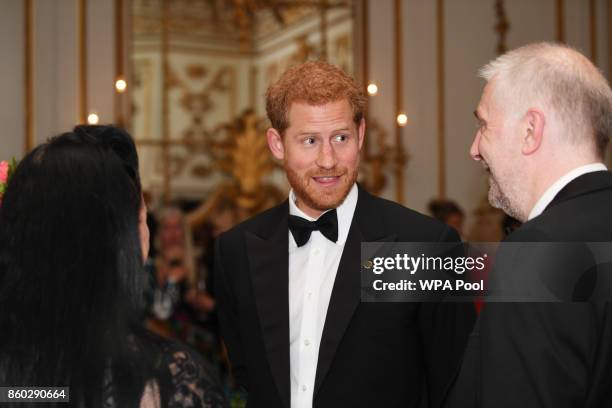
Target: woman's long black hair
<point x="71" y="271"/>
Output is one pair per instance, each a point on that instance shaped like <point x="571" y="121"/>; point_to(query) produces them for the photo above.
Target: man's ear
<point x="361" y="131"/>
<point x="275" y="143"/>
<point x="533" y="132"/>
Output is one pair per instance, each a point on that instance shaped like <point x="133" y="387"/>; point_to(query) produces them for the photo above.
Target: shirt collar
<point x="553" y="190"/>
<point x="344" y="211"/>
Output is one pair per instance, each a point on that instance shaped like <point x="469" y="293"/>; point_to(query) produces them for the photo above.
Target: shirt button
<point x="316" y="251"/>
<point x="304" y="387"/>
<point x="307" y="342"/>
<point x="309" y="295"/>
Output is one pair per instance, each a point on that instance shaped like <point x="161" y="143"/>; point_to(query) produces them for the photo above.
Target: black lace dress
<point x="191" y="383"/>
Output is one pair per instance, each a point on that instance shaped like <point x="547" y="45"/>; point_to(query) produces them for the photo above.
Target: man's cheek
<point x="350" y="160"/>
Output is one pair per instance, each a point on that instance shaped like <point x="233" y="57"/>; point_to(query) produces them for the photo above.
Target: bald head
<point x="559" y="80"/>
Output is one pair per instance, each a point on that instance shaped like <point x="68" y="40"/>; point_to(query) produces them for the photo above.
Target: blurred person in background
<point x="448" y="212"/>
<point x="172" y="267"/>
<point x="180" y="302"/>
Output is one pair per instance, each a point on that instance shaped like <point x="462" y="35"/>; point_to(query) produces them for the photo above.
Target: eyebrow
<point x="307" y="133"/>
<point x="346" y="129"/>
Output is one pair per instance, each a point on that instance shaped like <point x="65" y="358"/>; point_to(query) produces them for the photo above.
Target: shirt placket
<point x="308" y="349"/>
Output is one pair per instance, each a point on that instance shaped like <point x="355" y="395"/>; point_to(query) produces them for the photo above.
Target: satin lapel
<point x="585" y="184"/>
<point x="269" y="268"/>
<point x="346" y="293"/>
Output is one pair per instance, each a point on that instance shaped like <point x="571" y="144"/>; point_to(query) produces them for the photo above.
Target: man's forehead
<point x="340" y="104"/>
<point x="337" y="112"/>
<point x="485" y="99"/>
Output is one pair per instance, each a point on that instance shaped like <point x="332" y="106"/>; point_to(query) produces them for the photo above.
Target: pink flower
<point x="4" y="169"/>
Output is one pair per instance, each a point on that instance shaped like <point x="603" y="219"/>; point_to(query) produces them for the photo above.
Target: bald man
<point x="545" y="117"/>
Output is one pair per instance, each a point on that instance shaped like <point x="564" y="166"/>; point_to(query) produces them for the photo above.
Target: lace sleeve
<point x="194" y="385"/>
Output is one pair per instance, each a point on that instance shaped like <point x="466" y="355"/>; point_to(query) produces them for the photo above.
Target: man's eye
<point x="341" y="138"/>
<point x="309" y="140"/>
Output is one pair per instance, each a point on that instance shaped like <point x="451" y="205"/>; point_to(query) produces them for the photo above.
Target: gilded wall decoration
<point x="342" y="52"/>
<point x="303" y="50"/>
<point x="241" y="155"/>
<point x="376" y="156"/>
<point x="209" y="76"/>
<point x="198" y="104"/>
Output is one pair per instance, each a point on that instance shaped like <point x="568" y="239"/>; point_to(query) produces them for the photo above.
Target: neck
<point x="309" y="211"/>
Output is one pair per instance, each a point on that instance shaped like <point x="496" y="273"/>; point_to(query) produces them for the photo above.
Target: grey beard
<point x="498" y="199"/>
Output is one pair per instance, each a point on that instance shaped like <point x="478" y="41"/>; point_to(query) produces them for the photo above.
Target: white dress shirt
<point x="312" y="272"/>
<point x="558" y="185"/>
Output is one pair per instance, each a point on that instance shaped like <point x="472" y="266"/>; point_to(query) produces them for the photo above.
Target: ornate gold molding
<point x="376" y="157"/>
<point x="196" y="50"/>
<point x="323" y="28"/>
<point x="184" y="156"/>
<point x="306" y="21"/>
<point x="271" y="49"/>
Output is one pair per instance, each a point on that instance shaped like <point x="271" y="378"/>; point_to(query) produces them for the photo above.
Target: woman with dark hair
<point x="73" y="237"/>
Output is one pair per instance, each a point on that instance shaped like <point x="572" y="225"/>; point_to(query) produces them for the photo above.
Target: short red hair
<point x="315" y="83"/>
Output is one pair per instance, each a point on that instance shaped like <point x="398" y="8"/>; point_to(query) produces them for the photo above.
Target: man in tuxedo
<point x="545" y="117"/>
<point x="289" y="279"/>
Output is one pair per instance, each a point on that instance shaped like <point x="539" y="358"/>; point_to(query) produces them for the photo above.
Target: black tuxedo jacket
<point x="553" y="355"/>
<point x="371" y="354"/>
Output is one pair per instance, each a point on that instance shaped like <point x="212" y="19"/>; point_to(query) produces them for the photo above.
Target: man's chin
<point x="501" y="202"/>
<point x="495" y="203"/>
<point x="324" y="202"/>
<point x="495" y="198"/>
<point x="323" y="198"/>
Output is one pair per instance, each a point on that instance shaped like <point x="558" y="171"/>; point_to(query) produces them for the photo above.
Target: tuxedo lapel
<point x="344" y="300"/>
<point x="269" y="265"/>
<point x="585" y="184"/>
<point x="346" y="293"/>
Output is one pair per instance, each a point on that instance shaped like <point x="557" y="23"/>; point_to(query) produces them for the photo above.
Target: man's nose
<point x="327" y="156"/>
<point x="475" y="148"/>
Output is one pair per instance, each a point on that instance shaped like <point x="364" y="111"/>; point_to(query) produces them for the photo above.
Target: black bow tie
<point x="301" y="229"/>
